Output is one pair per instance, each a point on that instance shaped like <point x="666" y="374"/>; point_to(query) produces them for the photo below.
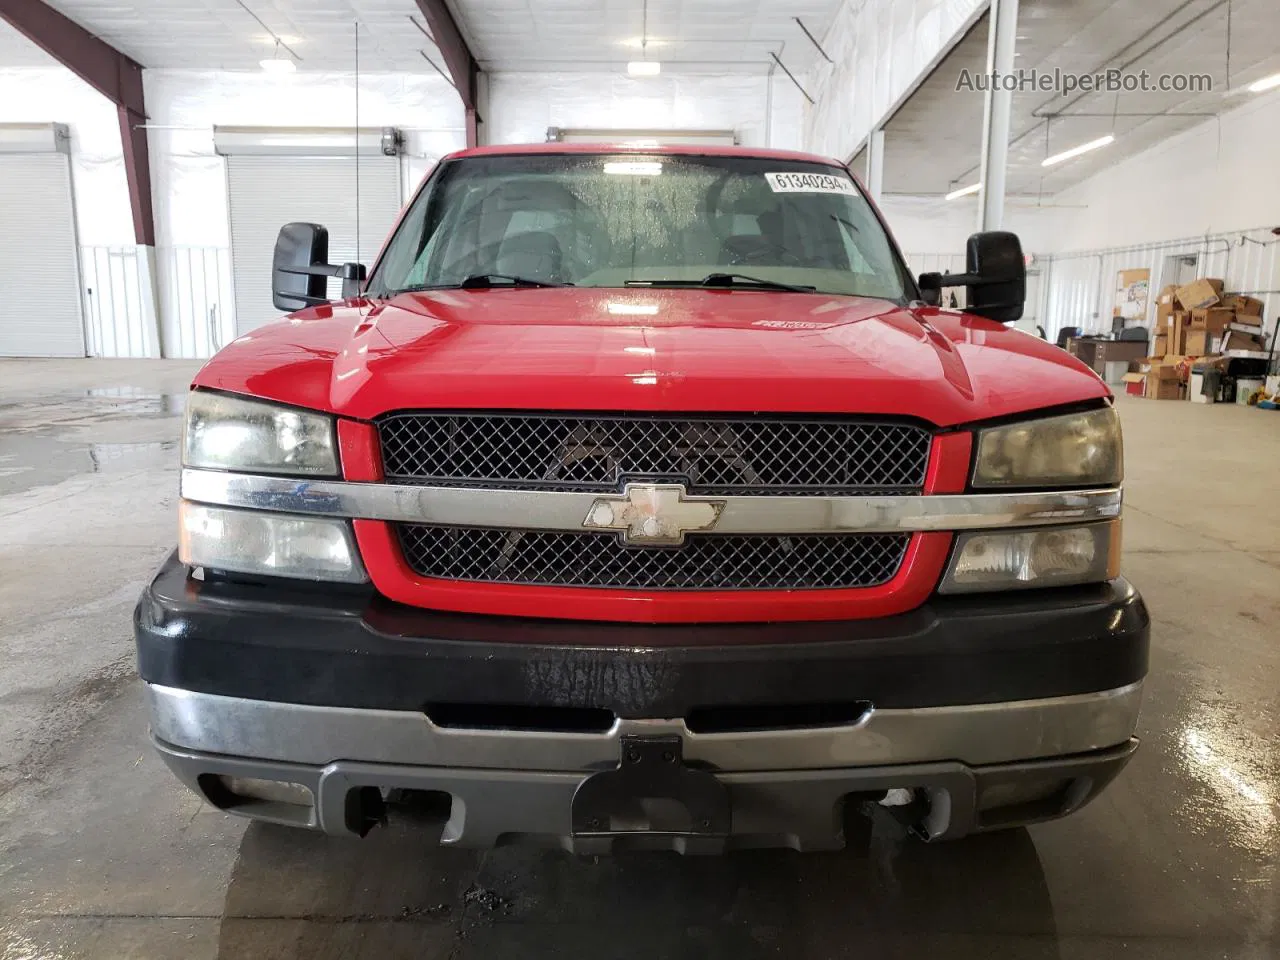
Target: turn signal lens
<point x="1049" y="557"/>
<point x="275" y="544"/>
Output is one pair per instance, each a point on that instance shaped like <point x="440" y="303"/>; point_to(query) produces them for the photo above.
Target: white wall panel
<point x="114" y="283"/>
<point x="191" y="181"/>
<point x="763" y="111"/>
<point x="1211" y="178"/>
<point x="881" y="49"/>
<point x="195" y="286"/>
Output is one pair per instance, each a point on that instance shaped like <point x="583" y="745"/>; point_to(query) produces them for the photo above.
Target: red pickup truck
<point x="643" y="498"/>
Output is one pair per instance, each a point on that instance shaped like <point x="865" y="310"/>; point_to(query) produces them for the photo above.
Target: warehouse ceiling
<point x="932" y="143"/>
<point x="505" y="35"/>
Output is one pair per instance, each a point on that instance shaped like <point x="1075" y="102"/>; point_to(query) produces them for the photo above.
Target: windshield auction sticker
<point x="809" y="183"/>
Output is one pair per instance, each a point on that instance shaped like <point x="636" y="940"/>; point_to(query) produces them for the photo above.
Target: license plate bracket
<point x="651" y="768"/>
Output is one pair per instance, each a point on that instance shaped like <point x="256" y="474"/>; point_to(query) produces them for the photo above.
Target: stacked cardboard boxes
<point x="1197" y="320"/>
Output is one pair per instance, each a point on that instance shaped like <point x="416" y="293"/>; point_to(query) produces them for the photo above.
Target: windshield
<point x="608" y="220"/>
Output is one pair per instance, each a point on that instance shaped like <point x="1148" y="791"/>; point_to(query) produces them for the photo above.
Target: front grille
<point x="703" y="562"/>
<point x="722" y="456"/>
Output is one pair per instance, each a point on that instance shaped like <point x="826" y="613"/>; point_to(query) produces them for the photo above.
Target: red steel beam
<point x="112" y="74"/>
<point x="457" y="56"/>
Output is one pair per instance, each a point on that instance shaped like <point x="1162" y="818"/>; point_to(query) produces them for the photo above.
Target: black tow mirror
<point x="300" y="268"/>
<point x="996" y="277"/>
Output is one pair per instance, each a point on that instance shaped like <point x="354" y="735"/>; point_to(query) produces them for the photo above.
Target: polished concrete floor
<point x="102" y="855"/>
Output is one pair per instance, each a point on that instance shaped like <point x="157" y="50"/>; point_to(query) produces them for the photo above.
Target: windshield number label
<point x="809" y="183"/>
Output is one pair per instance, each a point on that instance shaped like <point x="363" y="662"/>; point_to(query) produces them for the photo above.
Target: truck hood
<point x="649" y="350"/>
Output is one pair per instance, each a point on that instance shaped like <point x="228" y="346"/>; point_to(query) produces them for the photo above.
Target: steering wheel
<point x="744" y="249"/>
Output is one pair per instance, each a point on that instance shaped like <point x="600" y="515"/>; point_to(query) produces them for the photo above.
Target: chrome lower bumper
<point x="974" y="734"/>
<point x="972" y="768"/>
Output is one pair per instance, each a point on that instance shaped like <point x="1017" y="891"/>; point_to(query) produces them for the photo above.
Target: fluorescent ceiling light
<point x="964" y="191"/>
<point x="639" y="43"/>
<point x="278" y="65"/>
<point x="1076" y="151"/>
<point x="644" y="68"/>
<point x="1266" y="83"/>
<point x="633" y="168"/>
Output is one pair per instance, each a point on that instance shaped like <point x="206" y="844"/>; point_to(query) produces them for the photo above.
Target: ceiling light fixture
<point x="1076" y="151"/>
<point x="964" y="191"/>
<point x="274" y="63"/>
<point x="277" y="63"/>
<point x="1266" y="83"/>
<point x="644" y="67"/>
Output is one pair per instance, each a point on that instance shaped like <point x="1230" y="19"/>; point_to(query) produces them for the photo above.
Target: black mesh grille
<point x="703" y="562"/>
<point x="712" y="456"/>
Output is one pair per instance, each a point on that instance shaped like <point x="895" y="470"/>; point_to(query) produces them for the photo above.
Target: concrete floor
<point x="102" y="855"/>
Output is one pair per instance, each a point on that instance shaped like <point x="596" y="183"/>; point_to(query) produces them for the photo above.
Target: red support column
<point x="457" y="57"/>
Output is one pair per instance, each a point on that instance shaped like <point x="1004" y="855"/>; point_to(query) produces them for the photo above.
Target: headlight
<point x="231" y="433"/>
<point x="276" y="544"/>
<point x="1070" y="450"/>
<point x="1024" y="559"/>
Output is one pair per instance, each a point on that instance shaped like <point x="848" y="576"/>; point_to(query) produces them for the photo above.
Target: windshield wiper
<point x="726" y="281"/>
<point x="482" y="281"/>
<point x="477" y="281"/>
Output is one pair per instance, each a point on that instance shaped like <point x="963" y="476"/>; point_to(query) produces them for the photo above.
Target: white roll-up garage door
<point x="39" y="259"/>
<point x="266" y="192"/>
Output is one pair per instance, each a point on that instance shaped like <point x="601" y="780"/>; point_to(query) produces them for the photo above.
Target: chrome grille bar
<point x="567" y="511"/>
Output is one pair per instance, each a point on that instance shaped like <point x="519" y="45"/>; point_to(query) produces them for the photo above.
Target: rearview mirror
<point x="300" y="268"/>
<point x="995" y="277"/>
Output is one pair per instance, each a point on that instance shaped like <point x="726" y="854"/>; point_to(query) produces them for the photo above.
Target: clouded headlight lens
<point x="1046" y="557"/>
<point x="230" y="433"/>
<point x="276" y="544"/>
<point x="1071" y="450"/>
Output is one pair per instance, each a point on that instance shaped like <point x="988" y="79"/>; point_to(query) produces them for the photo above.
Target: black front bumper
<point x="356" y="649"/>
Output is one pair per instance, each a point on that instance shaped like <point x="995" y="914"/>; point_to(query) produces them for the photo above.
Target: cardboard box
<point x="1199" y="343"/>
<point x="1135" y="384"/>
<point x="1199" y="294"/>
<point x="1236" y="340"/>
<point x="1158" y="389"/>
<point x="1159" y="345"/>
<point x="1175" y="332"/>
<point x="1213" y="319"/>
<point x="1243" y="306"/>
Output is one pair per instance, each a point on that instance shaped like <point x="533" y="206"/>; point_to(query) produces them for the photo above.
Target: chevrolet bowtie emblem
<point x="653" y="513"/>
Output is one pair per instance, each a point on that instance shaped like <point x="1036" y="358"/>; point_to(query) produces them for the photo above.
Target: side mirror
<point x="1000" y="291"/>
<point x="995" y="277"/>
<point x="300" y="268"/>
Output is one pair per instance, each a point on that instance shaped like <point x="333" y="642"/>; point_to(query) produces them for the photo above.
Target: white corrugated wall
<point x="196" y="305"/>
<point x="1080" y="287"/>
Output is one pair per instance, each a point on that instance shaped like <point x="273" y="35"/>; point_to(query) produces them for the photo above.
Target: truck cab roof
<point x="673" y="149"/>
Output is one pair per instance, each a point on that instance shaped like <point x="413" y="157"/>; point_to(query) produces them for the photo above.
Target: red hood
<point x="659" y="350"/>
